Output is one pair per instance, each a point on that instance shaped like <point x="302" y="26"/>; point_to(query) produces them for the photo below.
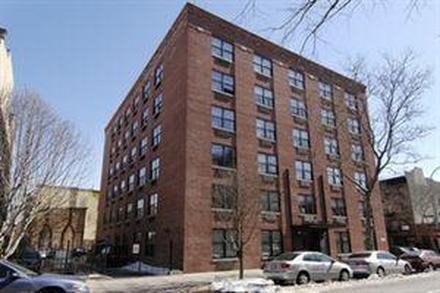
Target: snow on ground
<point x="261" y="285"/>
<point x="140" y="267"/>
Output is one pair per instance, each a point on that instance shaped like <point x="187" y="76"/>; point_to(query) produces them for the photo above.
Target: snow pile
<point x="140" y="267"/>
<point x="253" y="285"/>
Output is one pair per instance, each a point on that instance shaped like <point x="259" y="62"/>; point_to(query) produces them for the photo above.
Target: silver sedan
<point x="377" y="262"/>
<point x="303" y="266"/>
<point x="14" y="278"/>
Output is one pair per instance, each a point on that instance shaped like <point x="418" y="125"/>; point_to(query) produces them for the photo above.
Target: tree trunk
<point x="240" y="263"/>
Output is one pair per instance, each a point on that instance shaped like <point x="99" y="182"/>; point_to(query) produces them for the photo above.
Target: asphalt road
<point x="421" y="283"/>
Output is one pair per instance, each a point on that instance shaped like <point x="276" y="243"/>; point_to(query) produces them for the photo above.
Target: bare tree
<point x="395" y="90"/>
<point x="44" y="150"/>
<point x="236" y="203"/>
<point x="305" y="19"/>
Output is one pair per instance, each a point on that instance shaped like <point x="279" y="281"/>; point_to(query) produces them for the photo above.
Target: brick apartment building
<point x="214" y="99"/>
<point x="411" y="209"/>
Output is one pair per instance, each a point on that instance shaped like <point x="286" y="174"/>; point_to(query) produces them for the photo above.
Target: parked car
<point x="15" y="278"/>
<point x="377" y="262"/>
<point x="417" y="263"/>
<point x="431" y="258"/>
<point x="304" y="266"/>
<point x="29" y="258"/>
<point x="399" y="250"/>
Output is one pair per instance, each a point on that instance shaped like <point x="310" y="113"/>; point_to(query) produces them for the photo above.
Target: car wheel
<point x="303" y="278"/>
<point x="344" y="276"/>
<point x="407" y="270"/>
<point x="51" y="290"/>
<point x="380" y="272"/>
<point x="430" y="267"/>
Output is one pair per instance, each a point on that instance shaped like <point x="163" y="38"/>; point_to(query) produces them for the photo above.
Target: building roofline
<point x="398" y="179"/>
<point x="193" y="8"/>
<point x="73" y="188"/>
<point x="190" y="9"/>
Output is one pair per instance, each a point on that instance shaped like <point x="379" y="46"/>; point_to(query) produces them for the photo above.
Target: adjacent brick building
<point x="412" y="210"/>
<point x="216" y="99"/>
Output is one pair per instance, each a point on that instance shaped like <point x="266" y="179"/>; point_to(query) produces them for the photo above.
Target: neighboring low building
<point x="70" y="224"/>
<point x="411" y="209"/>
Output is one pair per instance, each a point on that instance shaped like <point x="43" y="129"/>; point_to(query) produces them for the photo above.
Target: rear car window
<point x="287" y="256"/>
<point x="360" y="255"/>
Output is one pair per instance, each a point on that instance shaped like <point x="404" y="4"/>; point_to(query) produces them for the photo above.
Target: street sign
<point x="136" y="248"/>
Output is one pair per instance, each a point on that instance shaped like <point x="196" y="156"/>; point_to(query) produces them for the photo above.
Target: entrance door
<point x="309" y="239"/>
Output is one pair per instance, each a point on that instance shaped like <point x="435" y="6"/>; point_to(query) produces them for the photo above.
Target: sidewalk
<point x="171" y="283"/>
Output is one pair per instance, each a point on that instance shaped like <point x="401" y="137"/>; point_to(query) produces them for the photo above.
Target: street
<point x="417" y="283"/>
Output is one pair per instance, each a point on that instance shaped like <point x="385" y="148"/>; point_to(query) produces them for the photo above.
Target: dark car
<point x="30" y="259"/>
<point x="417" y="262"/>
<point x="399" y="250"/>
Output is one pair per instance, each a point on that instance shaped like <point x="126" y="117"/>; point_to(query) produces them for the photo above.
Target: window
<point x="262" y="65"/>
<point x="338" y="207"/>
<point x="361" y="179"/>
<point x="158" y="75"/>
<point x="222" y="49"/>
<point x="223" y="243"/>
<point x="331" y="146"/>
<point x="129" y="210"/>
<point x="155" y="169"/>
<point x="157" y="131"/>
<point x="133" y="154"/>
<point x="350" y="101"/>
<point x="123" y="186"/>
<point x="303" y="171"/>
<point x="301" y="138"/>
<point x="147" y="90"/>
<point x="145" y="116"/>
<point x="142" y="175"/>
<point x="131" y="182"/>
<point x="150" y="240"/>
<point x="267" y="164"/>
<point x="121" y="214"/>
<point x="140" y="208"/>
<point x="124" y="160"/>
<point x="157" y="105"/>
<point x="127" y="113"/>
<point x="325" y="90"/>
<point x="328" y="117"/>
<point x="222" y="118"/>
<point x="353" y="126"/>
<point x="136" y="102"/>
<point x="223" y="155"/>
<point x="143" y="146"/>
<point x="222" y="82"/>
<point x="343" y="242"/>
<point x="298" y="108"/>
<point x="271" y="243"/>
<point x="306" y="204"/>
<point x="357" y="153"/>
<point x="334" y="176"/>
<point x="296" y="79"/>
<point x="263" y="97"/>
<point x="154" y="201"/>
<point x="222" y="196"/>
<point x="126" y="135"/>
<point x="118" y="166"/>
<point x="265" y="129"/>
<point x="270" y="201"/>
<point x="134" y="128"/>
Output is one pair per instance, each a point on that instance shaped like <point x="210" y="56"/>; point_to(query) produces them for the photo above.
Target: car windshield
<point x="21" y="269"/>
<point x="287" y="256"/>
<point x="360" y="255"/>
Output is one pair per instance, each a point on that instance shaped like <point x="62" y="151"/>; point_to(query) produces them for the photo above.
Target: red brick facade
<point x="184" y="222"/>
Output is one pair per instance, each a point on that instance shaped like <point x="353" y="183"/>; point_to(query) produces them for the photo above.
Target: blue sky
<point x="83" y="56"/>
